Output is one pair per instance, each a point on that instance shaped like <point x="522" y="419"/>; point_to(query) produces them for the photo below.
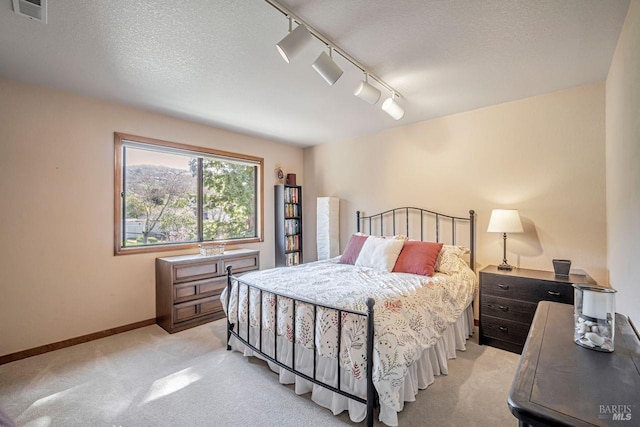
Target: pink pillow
<point x="418" y="258"/>
<point x="351" y="252"/>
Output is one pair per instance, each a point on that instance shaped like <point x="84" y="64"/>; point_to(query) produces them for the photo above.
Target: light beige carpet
<point x="147" y="377"/>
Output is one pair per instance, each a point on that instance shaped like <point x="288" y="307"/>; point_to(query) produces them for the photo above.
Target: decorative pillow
<point x="351" y="252"/>
<point x="448" y="259"/>
<point x="380" y="253"/>
<point x="418" y="258"/>
<point x="397" y="236"/>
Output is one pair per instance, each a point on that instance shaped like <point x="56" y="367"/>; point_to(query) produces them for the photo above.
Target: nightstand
<point x="508" y="301"/>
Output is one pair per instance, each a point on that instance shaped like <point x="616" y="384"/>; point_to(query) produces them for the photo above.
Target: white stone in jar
<point x="586" y="342"/>
<point x="608" y="346"/>
<point x="594" y="338"/>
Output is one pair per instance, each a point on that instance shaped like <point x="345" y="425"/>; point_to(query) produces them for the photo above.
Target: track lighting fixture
<point x="366" y="92"/>
<point x="392" y="108"/>
<point x="298" y="39"/>
<point x="327" y="69"/>
<point x="294" y="42"/>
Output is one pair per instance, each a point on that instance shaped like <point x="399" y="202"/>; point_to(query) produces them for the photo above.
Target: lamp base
<point x="505" y="266"/>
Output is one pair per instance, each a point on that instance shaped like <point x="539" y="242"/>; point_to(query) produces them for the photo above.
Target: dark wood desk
<point x="559" y="383"/>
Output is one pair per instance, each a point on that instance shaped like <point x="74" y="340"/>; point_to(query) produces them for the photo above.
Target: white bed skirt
<point x="420" y="375"/>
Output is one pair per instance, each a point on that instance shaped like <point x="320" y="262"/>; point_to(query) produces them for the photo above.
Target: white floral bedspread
<point x="410" y="314"/>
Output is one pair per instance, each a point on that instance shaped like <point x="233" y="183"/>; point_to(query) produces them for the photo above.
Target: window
<point x="170" y="196"/>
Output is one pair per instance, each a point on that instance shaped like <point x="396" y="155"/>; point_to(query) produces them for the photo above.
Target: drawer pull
<point x="501" y="286"/>
<point x="554" y="293"/>
<point x="503" y="328"/>
<point x="499" y="307"/>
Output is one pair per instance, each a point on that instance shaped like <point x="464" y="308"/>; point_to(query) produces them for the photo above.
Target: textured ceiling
<point x="215" y="61"/>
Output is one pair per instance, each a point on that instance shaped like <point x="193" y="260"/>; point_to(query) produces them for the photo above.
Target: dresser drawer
<point x="240" y="264"/>
<point x="505" y="330"/>
<point x="212" y="306"/>
<point x="197" y="308"/>
<point x="198" y="289"/>
<point x="510" y="309"/>
<point x="196" y="270"/>
<point x="525" y="289"/>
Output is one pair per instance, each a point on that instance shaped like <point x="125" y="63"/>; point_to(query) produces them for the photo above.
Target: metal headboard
<point x="394" y="218"/>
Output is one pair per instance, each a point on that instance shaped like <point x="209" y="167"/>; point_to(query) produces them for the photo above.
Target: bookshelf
<point x="288" y="225"/>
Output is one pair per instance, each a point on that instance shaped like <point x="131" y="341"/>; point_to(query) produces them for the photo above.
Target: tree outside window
<point x="175" y="196"/>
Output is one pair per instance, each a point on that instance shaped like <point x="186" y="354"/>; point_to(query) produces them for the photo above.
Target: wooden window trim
<point x="119" y="138"/>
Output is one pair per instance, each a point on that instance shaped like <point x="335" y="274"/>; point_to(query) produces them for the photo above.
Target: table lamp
<point x="505" y="221"/>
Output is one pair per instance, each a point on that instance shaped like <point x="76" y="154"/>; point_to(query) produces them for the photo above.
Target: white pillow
<point x="380" y="253"/>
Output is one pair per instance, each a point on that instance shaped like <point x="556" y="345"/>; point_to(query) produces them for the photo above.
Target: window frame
<point x="120" y="138"/>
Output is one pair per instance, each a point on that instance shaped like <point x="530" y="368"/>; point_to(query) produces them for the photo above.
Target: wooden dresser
<point x="188" y="287"/>
<point x="559" y="383"/>
<point x="508" y="301"/>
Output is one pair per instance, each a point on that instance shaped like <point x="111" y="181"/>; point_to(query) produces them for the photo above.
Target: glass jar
<point x="594" y="317"/>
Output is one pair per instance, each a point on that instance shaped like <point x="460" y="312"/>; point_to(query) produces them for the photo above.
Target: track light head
<point x="366" y="92"/>
<point x="303" y="34"/>
<point x="327" y="69"/>
<point x="392" y="108"/>
<point x="294" y="42"/>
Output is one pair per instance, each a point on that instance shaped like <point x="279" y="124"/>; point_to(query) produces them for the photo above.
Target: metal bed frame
<point x="372" y="396"/>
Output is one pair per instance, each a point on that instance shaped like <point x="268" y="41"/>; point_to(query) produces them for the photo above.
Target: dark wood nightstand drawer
<point x="510" y="309"/>
<point x="505" y="330"/>
<point x="526" y="289"/>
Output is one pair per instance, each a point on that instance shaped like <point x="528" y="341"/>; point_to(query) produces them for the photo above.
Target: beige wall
<point x="623" y="166"/>
<point x="59" y="278"/>
<point x="542" y="155"/>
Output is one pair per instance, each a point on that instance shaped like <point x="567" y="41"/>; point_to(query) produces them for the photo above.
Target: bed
<point x="355" y="331"/>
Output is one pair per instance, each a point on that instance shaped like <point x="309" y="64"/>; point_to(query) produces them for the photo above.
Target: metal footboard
<point x="371" y="399"/>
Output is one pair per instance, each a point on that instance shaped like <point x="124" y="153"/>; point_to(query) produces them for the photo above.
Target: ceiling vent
<point x="32" y="9"/>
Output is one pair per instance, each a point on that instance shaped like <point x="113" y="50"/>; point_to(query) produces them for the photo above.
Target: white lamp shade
<point x="294" y="42"/>
<point x="392" y="108"/>
<point x="367" y="93"/>
<point x="327" y="69"/>
<point x="505" y="221"/>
